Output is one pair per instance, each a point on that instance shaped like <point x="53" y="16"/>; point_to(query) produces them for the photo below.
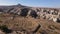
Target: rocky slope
<point x="18" y="19"/>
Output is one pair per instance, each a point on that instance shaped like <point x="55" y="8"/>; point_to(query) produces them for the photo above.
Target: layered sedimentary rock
<point x="45" y="13"/>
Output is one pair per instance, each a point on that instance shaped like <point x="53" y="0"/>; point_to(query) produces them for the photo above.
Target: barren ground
<point x="24" y="25"/>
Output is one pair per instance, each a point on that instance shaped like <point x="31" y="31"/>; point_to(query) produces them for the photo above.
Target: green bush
<point x="5" y="29"/>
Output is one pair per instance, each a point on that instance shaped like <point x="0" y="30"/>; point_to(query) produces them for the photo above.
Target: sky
<point x="33" y="3"/>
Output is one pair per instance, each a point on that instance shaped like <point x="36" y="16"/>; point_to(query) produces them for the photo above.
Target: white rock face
<point x="51" y="11"/>
<point x="52" y="16"/>
<point x="54" y="19"/>
<point x="48" y="13"/>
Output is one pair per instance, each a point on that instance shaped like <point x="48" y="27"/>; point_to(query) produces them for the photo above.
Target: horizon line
<point x="30" y="6"/>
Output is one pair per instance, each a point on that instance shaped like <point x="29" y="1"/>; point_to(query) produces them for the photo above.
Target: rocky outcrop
<point x="44" y="13"/>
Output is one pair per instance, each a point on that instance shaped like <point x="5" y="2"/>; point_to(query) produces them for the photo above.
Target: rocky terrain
<point x="19" y="19"/>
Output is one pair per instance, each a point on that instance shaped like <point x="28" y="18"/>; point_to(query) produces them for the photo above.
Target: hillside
<point x="19" y="19"/>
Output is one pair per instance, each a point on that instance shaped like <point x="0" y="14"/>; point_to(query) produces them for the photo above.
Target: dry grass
<point x="30" y="24"/>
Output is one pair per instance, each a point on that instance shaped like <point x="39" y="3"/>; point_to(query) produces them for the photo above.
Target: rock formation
<point x="21" y="19"/>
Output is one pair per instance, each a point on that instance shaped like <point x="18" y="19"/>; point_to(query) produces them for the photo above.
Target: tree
<point x="33" y="14"/>
<point x="58" y="20"/>
<point x="5" y="29"/>
<point x="1" y="10"/>
<point x="24" y="12"/>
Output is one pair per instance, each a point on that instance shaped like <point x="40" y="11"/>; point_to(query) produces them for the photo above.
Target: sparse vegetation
<point x="11" y="21"/>
<point x="58" y="20"/>
<point x="5" y="29"/>
<point x="24" y="12"/>
<point x="33" y="14"/>
<point x="1" y="10"/>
